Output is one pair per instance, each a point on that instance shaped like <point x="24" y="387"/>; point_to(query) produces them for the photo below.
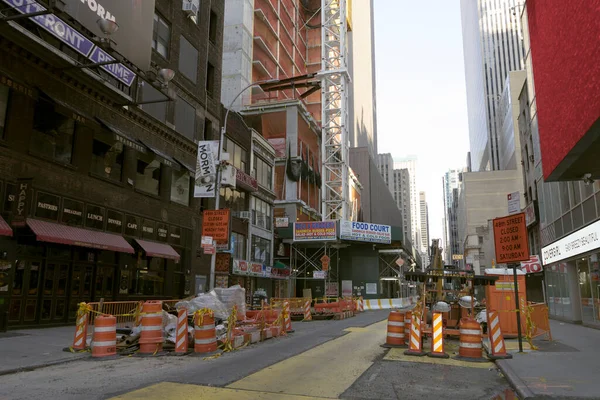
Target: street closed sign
<point x="510" y="239"/>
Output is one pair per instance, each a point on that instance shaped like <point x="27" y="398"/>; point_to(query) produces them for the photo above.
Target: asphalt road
<point x="321" y="359"/>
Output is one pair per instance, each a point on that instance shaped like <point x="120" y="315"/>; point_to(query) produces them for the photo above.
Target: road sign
<point x="400" y="262"/>
<point x="510" y="239"/>
<point x="514" y="203"/>
<point x="456" y="257"/>
<point x="319" y="274"/>
<point x="206" y="241"/>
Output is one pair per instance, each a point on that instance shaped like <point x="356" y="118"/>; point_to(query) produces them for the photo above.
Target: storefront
<point x="58" y="251"/>
<point x="259" y="277"/>
<point x="572" y="276"/>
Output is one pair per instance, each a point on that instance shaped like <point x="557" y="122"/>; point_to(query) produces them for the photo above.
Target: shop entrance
<point x="53" y="306"/>
<point x="23" y="307"/>
<point x="81" y="288"/>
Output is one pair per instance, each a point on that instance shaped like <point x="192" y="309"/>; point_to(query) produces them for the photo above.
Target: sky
<point x="421" y="95"/>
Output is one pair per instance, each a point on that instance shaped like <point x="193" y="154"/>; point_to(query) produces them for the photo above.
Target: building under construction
<point x="313" y="101"/>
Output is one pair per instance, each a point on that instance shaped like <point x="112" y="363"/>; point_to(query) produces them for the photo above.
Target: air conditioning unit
<point x="190" y="7"/>
<point x="244" y="215"/>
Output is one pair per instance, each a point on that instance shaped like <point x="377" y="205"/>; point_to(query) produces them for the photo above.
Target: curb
<point x="515" y="381"/>
<point x="43" y="365"/>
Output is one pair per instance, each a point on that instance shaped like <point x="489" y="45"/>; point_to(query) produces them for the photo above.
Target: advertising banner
<point x="133" y="39"/>
<point x="314" y="231"/>
<point x="128" y="32"/>
<point x="206" y="168"/>
<point x="365" y="232"/>
<point x="532" y="265"/>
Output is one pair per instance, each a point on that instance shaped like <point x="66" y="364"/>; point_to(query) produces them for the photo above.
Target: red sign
<point x="325" y="262"/>
<point x="532" y="265"/>
<point x="256" y="268"/>
<point x="209" y="249"/>
<point x="245" y="181"/>
<point x="510" y="239"/>
<point x="215" y="223"/>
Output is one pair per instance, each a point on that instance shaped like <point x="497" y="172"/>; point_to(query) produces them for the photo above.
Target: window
<point x="208" y="127"/>
<point x="148" y="173"/>
<point x="157" y="110"/>
<point x="237" y="155"/>
<point x="107" y="157"/>
<point x="52" y="133"/>
<point x="185" y="119"/>
<point x="261" y="250"/>
<point x="3" y="108"/>
<point x="161" y="36"/>
<point x="233" y="199"/>
<point x="261" y="213"/>
<point x="188" y="59"/>
<point x="180" y="187"/>
<point x="263" y="173"/>
<point x="149" y="278"/>
<point x="239" y="246"/>
<point x="212" y="28"/>
<point x="210" y="79"/>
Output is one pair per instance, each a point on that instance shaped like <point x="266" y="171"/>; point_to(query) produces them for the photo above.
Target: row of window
<point x="260" y="248"/>
<point x="53" y="138"/>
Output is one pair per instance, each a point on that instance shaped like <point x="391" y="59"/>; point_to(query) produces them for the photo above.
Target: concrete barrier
<point x="388" y="304"/>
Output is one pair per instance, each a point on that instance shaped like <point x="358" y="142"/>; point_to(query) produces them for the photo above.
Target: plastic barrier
<point x="538" y="317"/>
<point x="104" y="343"/>
<point x="470" y="347"/>
<point x="151" y="339"/>
<point x="296" y="304"/>
<point x="387" y="304"/>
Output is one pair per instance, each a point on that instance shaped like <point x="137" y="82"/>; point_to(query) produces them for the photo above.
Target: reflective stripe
<point x="204" y="327"/>
<point x="393" y="323"/>
<point x="152" y="315"/>
<point x="496" y="335"/>
<point x="494" y="321"/>
<point x="470" y="345"/>
<point x="152" y="328"/>
<point x="470" y="332"/>
<point x="498" y="347"/>
<point x="398" y="335"/>
<point x="180" y="342"/>
<point x="104" y="344"/>
<point x="78" y="342"/>
<point x="205" y="341"/>
<point x="105" y="329"/>
<point x="414" y="343"/>
<point x="181" y="329"/>
<point x="437" y="346"/>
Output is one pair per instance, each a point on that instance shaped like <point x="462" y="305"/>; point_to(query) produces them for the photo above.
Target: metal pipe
<point x="213" y="257"/>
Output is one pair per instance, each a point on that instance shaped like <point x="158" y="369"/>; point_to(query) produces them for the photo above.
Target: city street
<point x="321" y="359"/>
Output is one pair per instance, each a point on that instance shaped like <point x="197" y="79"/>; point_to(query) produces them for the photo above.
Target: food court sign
<point x="365" y="232"/>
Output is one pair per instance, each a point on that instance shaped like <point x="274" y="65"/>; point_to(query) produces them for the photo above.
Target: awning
<point x="123" y="137"/>
<point x="69" y="111"/>
<point x="70" y="235"/>
<point x="4" y="228"/>
<point x="279" y="265"/>
<point x="161" y="250"/>
<point x="164" y="158"/>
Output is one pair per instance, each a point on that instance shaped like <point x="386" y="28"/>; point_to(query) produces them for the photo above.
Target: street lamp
<point x="213" y="257"/>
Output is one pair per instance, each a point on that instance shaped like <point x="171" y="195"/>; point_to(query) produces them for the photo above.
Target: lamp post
<point x="213" y="258"/>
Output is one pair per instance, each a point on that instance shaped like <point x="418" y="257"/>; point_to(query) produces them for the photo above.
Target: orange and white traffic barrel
<point x="181" y="335"/>
<point x="205" y="336"/>
<point x="395" y="330"/>
<point x="469" y="347"/>
<point x="307" y="312"/>
<point x="81" y="327"/>
<point x="415" y="344"/>
<point x="437" y="337"/>
<point x="287" y="317"/>
<point x="151" y="338"/>
<point x="497" y="345"/>
<point x="104" y="342"/>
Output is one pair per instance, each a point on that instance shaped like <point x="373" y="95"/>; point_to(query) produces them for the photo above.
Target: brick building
<point x="97" y="161"/>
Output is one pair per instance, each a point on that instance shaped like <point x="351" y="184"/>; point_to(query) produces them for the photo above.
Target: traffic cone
<point x="437" y="338"/>
<point x="497" y="345"/>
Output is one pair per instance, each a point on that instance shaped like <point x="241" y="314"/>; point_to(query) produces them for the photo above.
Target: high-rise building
<point x="410" y="163"/>
<point x="493" y="46"/>
<point x="401" y="192"/>
<point x="385" y="165"/>
<point x="424" y="217"/>
<point x="450" y="181"/>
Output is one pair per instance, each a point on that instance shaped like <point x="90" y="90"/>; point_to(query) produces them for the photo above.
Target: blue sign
<point x="75" y="40"/>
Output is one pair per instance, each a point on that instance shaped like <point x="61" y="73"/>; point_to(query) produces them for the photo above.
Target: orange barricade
<point x="79" y="341"/>
<point x="395" y="330"/>
<point x="128" y="313"/>
<point x="470" y="346"/>
<point x="296" y="304"/>
<point x="437" y="337"/>
<point x="205" y="337"/>
<point x="104" y="343"/>
<point x="181" y="337"/>
<point x="151" y="338"/>
<point x="539" y="318"/>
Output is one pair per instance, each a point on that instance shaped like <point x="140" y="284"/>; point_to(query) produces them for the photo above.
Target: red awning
<point x="161" y="250"/>
<point x="63" y="234"/>
<point x="4" y="228"/>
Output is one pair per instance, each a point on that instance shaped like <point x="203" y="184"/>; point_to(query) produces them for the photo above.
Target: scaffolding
<point x="334" y="113"/>
<point x="306" y="260"/>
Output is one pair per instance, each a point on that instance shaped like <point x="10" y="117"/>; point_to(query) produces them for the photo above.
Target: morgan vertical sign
<point x="510" y="239"/>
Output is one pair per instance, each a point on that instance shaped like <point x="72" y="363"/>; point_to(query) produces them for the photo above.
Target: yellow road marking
<point x="324" y="371"/>
<point x="181" y="391"/>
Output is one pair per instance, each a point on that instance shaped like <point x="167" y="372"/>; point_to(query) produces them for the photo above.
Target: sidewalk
<point x="34" y="348"/>
<point x="567" y="367"/>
